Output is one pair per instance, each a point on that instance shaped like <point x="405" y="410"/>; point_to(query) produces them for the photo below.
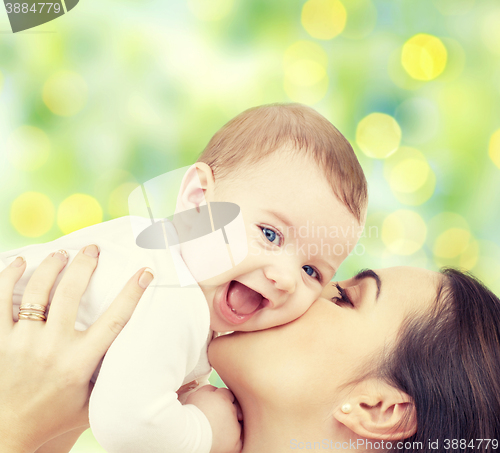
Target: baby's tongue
<point x="243" y="299"/>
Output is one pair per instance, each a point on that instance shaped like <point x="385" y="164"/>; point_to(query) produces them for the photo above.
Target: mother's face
<point x="301" y="363"/>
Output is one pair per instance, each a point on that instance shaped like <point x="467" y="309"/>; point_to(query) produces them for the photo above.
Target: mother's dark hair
<point x="448" y="362"/>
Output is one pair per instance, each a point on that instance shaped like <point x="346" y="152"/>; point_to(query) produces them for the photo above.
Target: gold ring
<point x="32" y="316"/>
<point x="39" y="312"/>
<point x="34" y="307"/>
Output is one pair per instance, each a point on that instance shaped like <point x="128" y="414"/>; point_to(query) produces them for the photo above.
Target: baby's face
<point x="298" y="235"/>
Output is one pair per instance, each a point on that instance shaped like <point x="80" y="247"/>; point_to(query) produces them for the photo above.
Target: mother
<point x="400" y="359"/>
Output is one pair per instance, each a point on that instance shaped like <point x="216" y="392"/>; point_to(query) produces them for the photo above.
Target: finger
<point x="226" y="393"/>
<point x="41" y="282"/>
<point x="8" y="279"/>
<point x="207" y="388"/>
<point x="104" y="331"/>
<point x="239" y="412"/>
<point x="64" y="306"/>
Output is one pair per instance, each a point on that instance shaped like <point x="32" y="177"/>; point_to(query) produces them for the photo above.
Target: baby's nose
<point x="282" y="280"/>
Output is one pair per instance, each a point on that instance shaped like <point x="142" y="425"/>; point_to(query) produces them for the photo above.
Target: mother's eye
<point x="343" y="298"/>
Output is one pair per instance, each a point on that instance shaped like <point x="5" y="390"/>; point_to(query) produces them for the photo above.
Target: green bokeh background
<point x="117" y="92"/>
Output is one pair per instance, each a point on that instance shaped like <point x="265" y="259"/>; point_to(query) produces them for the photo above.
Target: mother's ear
<point x="376" y="410"/>
<point x="196" y="187"/>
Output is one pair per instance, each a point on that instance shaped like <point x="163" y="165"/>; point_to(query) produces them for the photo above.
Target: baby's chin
<point x="220" y="331"/>
<point x="243" y="328"/>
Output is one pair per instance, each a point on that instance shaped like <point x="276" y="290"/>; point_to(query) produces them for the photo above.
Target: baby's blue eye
<point x="311" y="271"/>
<point x="271" y="235"/>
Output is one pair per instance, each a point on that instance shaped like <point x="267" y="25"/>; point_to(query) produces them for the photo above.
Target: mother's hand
<point x="46" y="366"/>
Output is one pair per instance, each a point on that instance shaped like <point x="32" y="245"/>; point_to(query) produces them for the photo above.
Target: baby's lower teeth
<point x="233" y="310"/>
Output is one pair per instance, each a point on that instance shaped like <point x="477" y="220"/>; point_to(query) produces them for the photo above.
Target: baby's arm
<point x="134" y="406"/>
<point x="114" y="238"/>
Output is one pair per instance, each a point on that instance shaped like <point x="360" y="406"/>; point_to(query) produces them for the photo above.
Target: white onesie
<point x="134" y="406"/>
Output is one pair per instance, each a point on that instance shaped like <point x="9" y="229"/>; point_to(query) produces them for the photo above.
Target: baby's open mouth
<point x="243" y="300"/>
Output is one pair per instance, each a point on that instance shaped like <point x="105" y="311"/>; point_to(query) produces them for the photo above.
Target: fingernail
<point x="92" y="250"/>
<point x="18" y="262"/>
<point x="61" y="255"/>
<point x="146" y="278"/>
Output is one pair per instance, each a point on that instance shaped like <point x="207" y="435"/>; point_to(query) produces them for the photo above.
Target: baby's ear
<point x="376" y="410"/>
<point x="196" y="187"/>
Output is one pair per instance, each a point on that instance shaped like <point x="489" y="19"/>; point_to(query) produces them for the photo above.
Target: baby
<point x="302" y="199"/>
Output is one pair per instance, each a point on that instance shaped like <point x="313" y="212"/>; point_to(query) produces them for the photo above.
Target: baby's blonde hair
<point x="259" y="131"/>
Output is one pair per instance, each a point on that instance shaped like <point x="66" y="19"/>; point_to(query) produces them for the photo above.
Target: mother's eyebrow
<point x="369" y="273"/>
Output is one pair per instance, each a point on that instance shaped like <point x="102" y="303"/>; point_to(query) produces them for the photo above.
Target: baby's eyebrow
<point x="281" y="217"/>
<point x="369" y="273"/>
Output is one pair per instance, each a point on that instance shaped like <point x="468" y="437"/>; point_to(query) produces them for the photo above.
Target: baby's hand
<point x="219" y="407"/>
